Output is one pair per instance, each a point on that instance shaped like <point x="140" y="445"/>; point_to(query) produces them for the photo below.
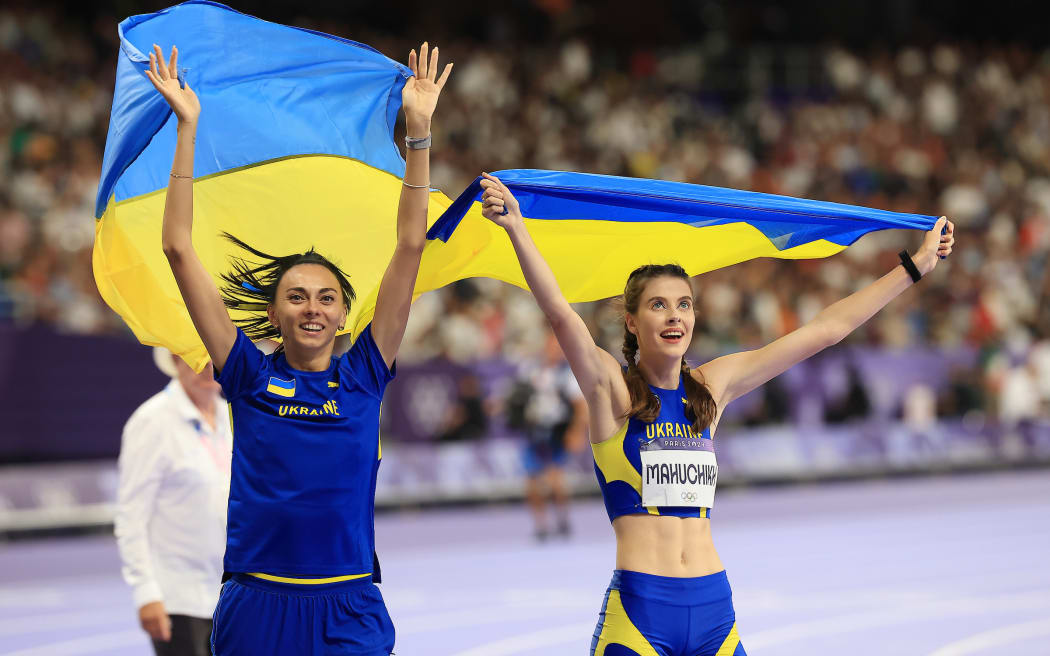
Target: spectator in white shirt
<point x="171" y="507"/>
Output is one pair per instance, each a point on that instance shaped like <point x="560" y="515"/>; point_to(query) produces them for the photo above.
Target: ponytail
<point x="645" y="406"/>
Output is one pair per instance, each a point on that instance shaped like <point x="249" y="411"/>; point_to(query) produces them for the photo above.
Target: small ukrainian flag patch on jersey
<point x="285" y="388"/>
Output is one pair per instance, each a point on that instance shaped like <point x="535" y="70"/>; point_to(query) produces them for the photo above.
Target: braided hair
<point x="645" y="406"/>
<point x="252" y="286"/>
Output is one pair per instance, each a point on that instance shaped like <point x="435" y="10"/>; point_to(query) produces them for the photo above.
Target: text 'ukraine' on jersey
<point x="660" y="467"/>
<point x="305" y="457"/>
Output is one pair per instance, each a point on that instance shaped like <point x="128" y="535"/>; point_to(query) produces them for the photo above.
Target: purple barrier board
<point x="66" y="397"/>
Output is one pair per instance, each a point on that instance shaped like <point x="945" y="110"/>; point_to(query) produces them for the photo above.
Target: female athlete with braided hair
<point x="652" y="425"/>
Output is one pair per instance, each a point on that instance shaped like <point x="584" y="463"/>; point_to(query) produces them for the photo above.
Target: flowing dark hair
<point x="645" y="406"/>
<point x="252" y="286"/>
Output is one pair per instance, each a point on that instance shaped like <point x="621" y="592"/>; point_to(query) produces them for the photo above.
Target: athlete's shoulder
<point x="364" y="363"/>
<point x="712" y="374"/>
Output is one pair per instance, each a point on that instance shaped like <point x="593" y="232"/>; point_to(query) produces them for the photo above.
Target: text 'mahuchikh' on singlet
<point x="659" y="468"/>
<point x="305" y="457"/>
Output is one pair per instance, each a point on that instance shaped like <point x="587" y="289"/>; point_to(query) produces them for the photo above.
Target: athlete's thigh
<point x="714" y="633"/>
<point x="358" y="622"/>
<point x="632" y="626"/>
<point x="253" y="622"/>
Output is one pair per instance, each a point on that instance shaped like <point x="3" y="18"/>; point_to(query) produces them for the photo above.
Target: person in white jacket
<point x="170" y="524"/>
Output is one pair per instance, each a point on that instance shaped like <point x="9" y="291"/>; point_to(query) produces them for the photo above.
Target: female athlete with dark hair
<point x="652" y="425"/>
<point x="300" y="535"/>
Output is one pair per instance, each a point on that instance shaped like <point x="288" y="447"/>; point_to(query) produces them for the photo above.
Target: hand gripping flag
<point x="594" y="230"/>
<point x="294" y="149"/>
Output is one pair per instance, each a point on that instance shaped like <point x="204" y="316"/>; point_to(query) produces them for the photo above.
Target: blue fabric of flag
<point x="294" y="149"/>
<point x="333" y="96"/>
<point x="786" y="221"/>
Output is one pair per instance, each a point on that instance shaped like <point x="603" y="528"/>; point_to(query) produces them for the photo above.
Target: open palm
<point x="420" y="95"/>
<point x="165" y="79"/>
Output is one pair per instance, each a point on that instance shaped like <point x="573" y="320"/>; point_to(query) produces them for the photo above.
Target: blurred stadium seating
<point x="954" y="374"/>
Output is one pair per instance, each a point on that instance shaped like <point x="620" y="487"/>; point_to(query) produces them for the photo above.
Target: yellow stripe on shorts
<point x="297" y="581"/>
<point x="618" y="629"/>
<point x="730" y="644"/>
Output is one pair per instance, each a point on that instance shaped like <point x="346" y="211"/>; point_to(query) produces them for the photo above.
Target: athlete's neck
<point x="312" y="360"/>
<point x="664" y="374"/>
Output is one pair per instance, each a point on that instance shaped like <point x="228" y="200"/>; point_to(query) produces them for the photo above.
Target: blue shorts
<point x="259" y="618"/>
<point x="648" y="615"/>
<point x="537" y="458"/>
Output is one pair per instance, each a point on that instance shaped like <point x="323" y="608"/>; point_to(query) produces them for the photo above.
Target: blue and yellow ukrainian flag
<point x="281" y="387"/>
<point x="595" y="229"/>
<point x="294" y="149"/>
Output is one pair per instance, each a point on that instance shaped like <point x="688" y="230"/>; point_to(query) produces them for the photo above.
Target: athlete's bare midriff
<point x="666" y="546"/>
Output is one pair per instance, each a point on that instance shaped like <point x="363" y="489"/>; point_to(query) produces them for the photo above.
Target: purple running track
<point x="946" y="566"/>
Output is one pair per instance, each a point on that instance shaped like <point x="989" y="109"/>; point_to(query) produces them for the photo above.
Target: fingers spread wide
<point x="444" y="75"/>
<point x="162" y="67"/>
<point x="423" y="52"/>
<point x="433" y="68"/>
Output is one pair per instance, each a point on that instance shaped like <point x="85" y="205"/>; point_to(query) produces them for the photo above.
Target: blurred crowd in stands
<point x="950" y="129"/>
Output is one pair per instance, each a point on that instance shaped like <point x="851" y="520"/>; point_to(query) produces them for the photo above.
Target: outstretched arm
<point x="592" y="366"/>
<point x="732" y="376"/>
<point x="419" y="98"/>
<point x="198" y="290"/>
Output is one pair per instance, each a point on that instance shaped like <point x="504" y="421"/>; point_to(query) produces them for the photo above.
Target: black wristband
<point x="909" y="266"/>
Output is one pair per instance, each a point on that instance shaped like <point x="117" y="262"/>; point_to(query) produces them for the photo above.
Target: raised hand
<point x="935" y="246"/>
<point x="497" y="203"/>
<point x="420" y="95"/>
<point x="164" y="77"/>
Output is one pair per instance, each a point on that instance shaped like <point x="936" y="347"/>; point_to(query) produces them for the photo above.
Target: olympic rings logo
<point x="688" y="496"/>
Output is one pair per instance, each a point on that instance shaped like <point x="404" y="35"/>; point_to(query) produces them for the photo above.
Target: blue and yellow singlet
<point x="618" y="460"/>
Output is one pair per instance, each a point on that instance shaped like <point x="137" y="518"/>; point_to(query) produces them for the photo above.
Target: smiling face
<point x="663" y="320"/>
<point x="308" y="307"/>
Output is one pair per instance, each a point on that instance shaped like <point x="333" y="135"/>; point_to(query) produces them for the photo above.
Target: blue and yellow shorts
<point x="648" y="615"/>
<point x="258" y="617"/>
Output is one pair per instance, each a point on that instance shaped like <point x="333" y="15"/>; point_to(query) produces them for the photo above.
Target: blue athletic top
<point x="305" y="457"/>
<point x="618" y="462"/>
